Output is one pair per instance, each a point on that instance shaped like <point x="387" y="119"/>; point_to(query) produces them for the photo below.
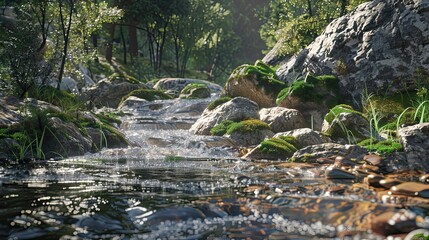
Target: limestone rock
<point x="282" y="119"/>
<point x="237" y="109"/>
<point x="177" y="84"/>
<point x="415" y="140"/>
<point x="305" y="136"/>
<point x="311" y="153"/>
<point x="381" y="46"/>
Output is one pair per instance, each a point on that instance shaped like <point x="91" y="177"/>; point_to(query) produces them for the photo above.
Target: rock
<point x="237" y="109"/>
<point x="65" y="140"/>
<point x="394" y="222"/>
<point x="337" y="173"/>
<point x="311" y="153"/>
<point x="7" y="148"/>
<point x="250" y="138"/>
<point x="282" y="119"/>
<point x="414" y="189"/>
<point x="105" y="138"/>
<point x="349" y="127"/>
<point x="176" y="85"/>
<point x="195" y="90"/>
<point x="9" y="111"/>
<point x="69" y="84"/>
<point x="381" y="46"/>
<point x="306" y="136"/>
<point x="131" y="103"/>
<point x="415" y="140"/>
<point x="373" y="159"/>
<point x="389" y="182"/>
<point x="108" y="93"/>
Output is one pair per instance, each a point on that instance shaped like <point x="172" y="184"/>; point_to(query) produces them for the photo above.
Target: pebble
<point x="389" y="182"/>
<point x="394" y="222"/>
<point x="336" y="173"/>
<point x="411" y="189"/>
<point x="372" y="159"/>
<point x="373" y="180"/>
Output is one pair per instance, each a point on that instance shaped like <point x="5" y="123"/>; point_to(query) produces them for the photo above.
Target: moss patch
<point x="195" y="90"/>
<point x="147" y="94"/>
<point x="218" y="102"/>
<point x="283" y="146"/>
<point x="246" y="126"/>
<point x="116" y="77"/>
<point x="382" y="147"/>
<point x="221" y="128"/>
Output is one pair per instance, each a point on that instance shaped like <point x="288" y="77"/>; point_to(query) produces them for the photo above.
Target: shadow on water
<point x="175" y="185"/>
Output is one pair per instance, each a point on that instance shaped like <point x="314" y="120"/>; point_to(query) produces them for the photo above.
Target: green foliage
<point x="266" y="77"/>
<point x="63" y="99"/>
<point x="218" y="102"/>
<point x="199" y="90"/>
<point x="283" y="146"/>
<point x="246" y="126"/>
<point x="337" y="110"/>
<point x="221" y="128"/>
<point x="116" y="77"/>
<point x="312" y="89"/>
<point x="297" y="23"/>
<point x="148" y="94"/>
<point x="382" y="147"/>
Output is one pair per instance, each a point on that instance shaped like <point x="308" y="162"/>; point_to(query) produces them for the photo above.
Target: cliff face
<point x="382" y="46"/>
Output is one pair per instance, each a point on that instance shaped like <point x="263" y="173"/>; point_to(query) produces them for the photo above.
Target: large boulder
<point x="107" y="93"/>
<point x="282" y="119"/>
<point x="415" y="140"/>
<point x="313" y="153"/>
<point x="176" y="85"/>
<point x="9" y="111"/>
<point x="236" y="109"/>
<point x="381" y="46"/>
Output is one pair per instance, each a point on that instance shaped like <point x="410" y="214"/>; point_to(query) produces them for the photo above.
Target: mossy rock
<point x="116" y="77"/>
<point x="283" y="146"/>
<point x="218" y="102"/>
<point x="382" y="147"/>
<point x="147" y="94"/>
<point x="221" y="128"/>
<point x="195" y="90"/>
<point x="247" y="126"/>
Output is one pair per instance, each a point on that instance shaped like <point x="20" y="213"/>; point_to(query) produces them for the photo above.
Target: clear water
<point x="174" y="185"/>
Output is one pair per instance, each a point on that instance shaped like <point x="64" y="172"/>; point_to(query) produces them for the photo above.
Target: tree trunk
<point x="132" y="36"/>
<point x="66" y="36"/>
<point x="109" y="45"/>
<point x="124" y="45"/>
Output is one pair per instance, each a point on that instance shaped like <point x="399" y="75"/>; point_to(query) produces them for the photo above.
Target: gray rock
<point x="177" y="84"/>
<point x="311" y="153"/>
<point x="282" y="119"/>
<point x="349" y="127"/>
<point x="250" y="138"/>
<point x="108" y="93"/>
<point x="306" y="136"/>
<point x="415" y="140"/>
<point x="131" y="103"/>
<point x="237" y="109"/>
<point x="381" y="46"/>
<point x="9" y="111"/>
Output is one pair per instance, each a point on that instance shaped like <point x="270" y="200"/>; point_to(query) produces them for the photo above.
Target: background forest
<point x="44" y="41"/>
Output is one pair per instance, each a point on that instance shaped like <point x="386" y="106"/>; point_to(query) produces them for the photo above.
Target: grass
<point x="337" y="110"/>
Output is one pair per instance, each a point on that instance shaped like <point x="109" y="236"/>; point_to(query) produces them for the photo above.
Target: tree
<point x="297" y="23"/>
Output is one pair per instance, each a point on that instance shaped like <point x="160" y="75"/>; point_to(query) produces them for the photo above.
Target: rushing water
<point x="175" y="185"/>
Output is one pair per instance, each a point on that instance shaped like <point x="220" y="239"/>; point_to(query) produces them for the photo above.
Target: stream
<point x="175" y="185"/>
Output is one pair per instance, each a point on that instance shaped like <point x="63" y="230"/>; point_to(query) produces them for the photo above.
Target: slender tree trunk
<point x="94" y="38"/>
<point x="132" y="38"/>
<point x="310" y="10"/>
<point x="109" y="45"/>
<point x="66" y="35"/>
<point x="124" y="45"/>
<point x="344" y="4"/>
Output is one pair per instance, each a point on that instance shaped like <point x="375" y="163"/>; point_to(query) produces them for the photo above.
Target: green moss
<point x="279" y="146"/>
<point x="382" y="147"/>
<point x="266" y="76"/>
<point x="246" y="126"/>
<point x="116" y="77"/>
<point x="337" y="110"/>
<point x="187" y="89"/>
<point x="221" y="128"/>
<point x="174" y="158"/>
<point x="148" y="94"/>
<point x="218" y="102"/>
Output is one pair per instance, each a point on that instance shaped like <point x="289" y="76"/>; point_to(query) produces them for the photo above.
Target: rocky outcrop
<point x="237" y="109"/>
<point x="305" y="136"/>
<point x="380" y="46"/>
<point x="176" y="85"/>
<point x="282" y="119"/>
<point x="415" y="140"/>
<point x="108" y="93"/>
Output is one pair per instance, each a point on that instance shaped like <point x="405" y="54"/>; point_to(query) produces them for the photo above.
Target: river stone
<point x="394" y="222"/>
<point x="250" y="138"/>
<point x="131" y="103"/>
<point x="381" y="46"/>
<point x="310" y="154"/>
<point x="337" y="173"/>
<point x="414" y="189"/>
<point x="282" y="119"/>
<point x="177" y="84"/>
<point x="108" y="93"/>
<point x="348" y="127"/>
<point x="305" y="136"/>
<point x="415" y="140"/>
<point x="237" y="109"/>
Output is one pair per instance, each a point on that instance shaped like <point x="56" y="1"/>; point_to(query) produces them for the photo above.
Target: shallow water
<point x="174" y="185"/>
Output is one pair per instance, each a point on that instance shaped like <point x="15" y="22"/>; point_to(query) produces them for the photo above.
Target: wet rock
<point x="131" y="103"/>
<point x="176" y="85"/>
<point x="424" y="178"/>
<point x="282" y="119"/>
<point x="306" y="136"/>
<point x="411" y="189"/>
<point x="394" y="222"/>
<point x="373" y="159"/>
<point x="250" y="138"/>
<point x="237" y="109"/>
<point x="373" y="180"/>
<point x="389" y="182"/>
<point x="367" y="49"/>
<point x="195" y="91"/>
<point x="337" y="173"/>
<point x="415" y="140"/>
<point x="310" y="154"/>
